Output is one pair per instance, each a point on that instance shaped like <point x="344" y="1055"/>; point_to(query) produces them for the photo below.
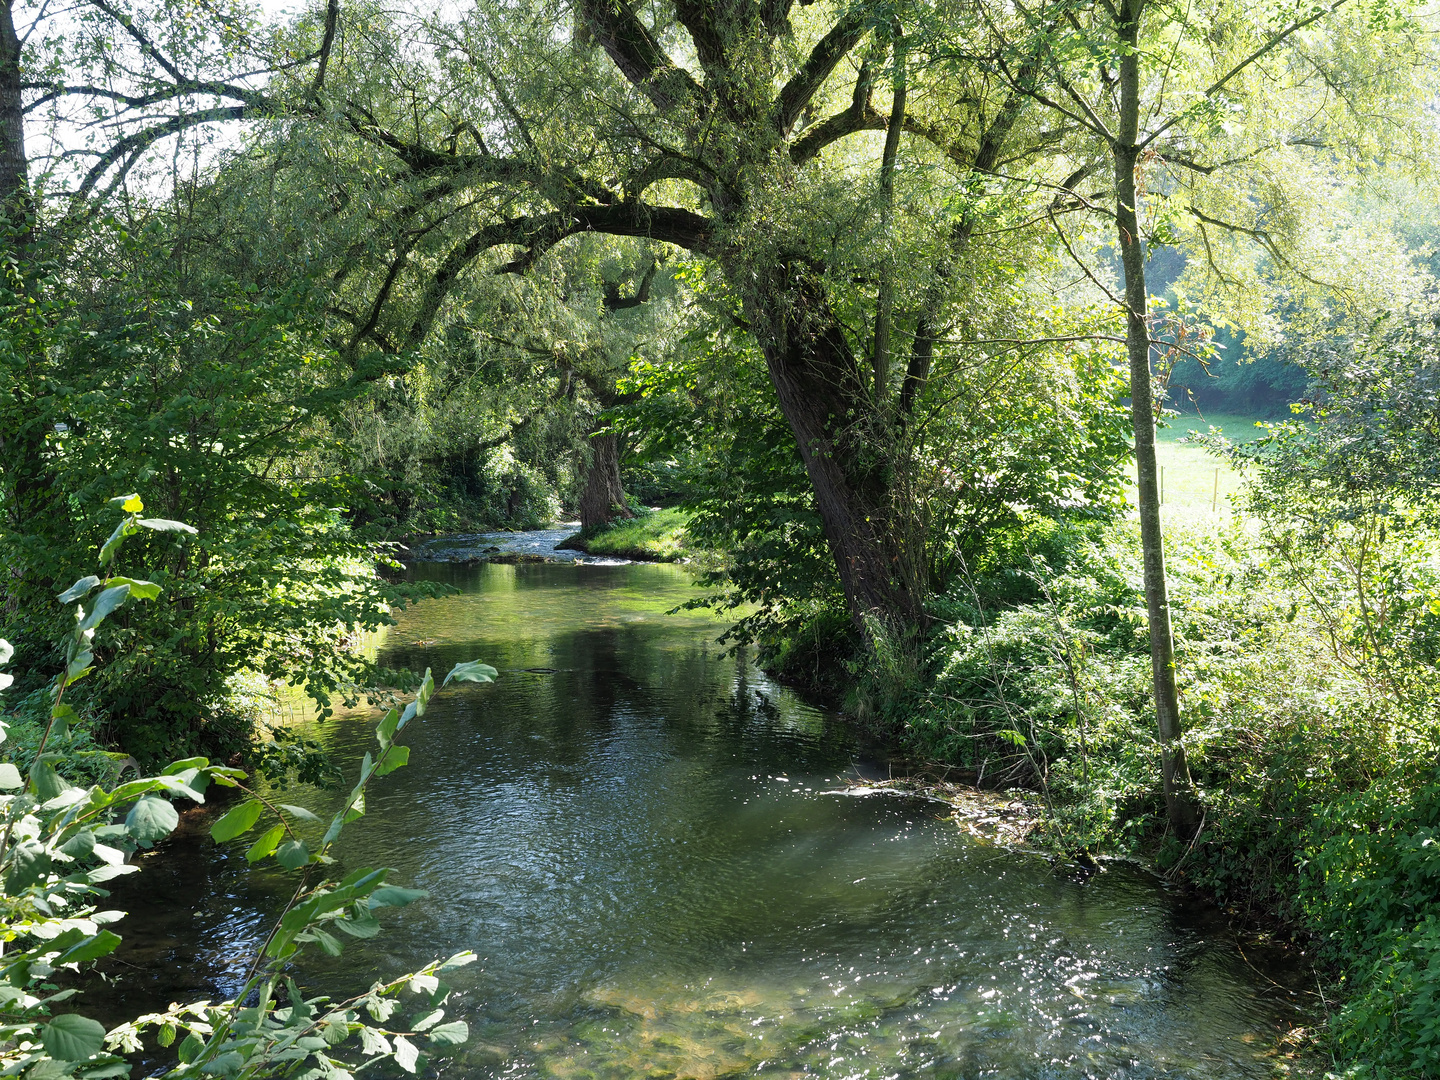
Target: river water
<point x="644" y="845"/>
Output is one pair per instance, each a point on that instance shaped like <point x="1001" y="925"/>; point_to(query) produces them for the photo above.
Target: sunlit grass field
<point x="1196" y="484"/>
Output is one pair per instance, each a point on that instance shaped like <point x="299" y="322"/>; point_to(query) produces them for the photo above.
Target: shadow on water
<point x="636" y="840"/>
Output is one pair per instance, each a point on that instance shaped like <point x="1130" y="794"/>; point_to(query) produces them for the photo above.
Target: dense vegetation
<point x="869" y="307"/>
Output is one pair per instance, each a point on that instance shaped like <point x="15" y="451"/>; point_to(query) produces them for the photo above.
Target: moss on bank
<point x="654" y="536"/>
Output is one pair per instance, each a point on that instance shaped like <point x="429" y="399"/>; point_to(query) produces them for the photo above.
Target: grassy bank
<point x="653" y="536"/>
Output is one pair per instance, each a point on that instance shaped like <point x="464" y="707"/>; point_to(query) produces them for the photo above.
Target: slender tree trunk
<point x="603" y="499"/>
<point x="1179" y="802"/>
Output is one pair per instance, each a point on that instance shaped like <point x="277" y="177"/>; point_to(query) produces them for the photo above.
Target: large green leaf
<point x="406" y="1054"/>
<point x="108" y="549"/>
<point x="28" y="863"/>
<point x="140" y="590"/>
<point x="92" y="948"/>
<point x="392" y="759"/>
<point x="72" y="1037"/>
<point x="80" y="589"/>
<point x="9" y="776"/>
<point x="45" y="781"/>
<point x="237" y="821"/>
<point x="165" y="525"/>
<point x="104" y="604"/>
<point x="293" y="854"/>
<point x="150" y="819"/>
<point x="451" y="1034"/>
<point x="268" y="842"/>
<point x="395" y="896"/>
<point x="473" y="671"/>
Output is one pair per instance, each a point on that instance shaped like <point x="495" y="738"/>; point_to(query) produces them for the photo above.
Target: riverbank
<point x="656" y="535"/>
<point x="1311" y="745"/>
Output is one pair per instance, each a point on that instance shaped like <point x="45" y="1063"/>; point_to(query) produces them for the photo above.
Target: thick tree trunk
<point x="825" y="396"/>
<point x="1179" y="802"/>
<point x="603" y="498"/>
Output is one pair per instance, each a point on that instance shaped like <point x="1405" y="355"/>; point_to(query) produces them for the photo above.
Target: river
<point x="644" y="844"/>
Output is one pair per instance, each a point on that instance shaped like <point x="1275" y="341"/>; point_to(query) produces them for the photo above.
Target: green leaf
<point x="395" y="896"/>
<point x="78" y="668"/>
<point x="298" y="811"/>
<point x="429" y="1020"/>
<point x="184" y="765"/>
<point x="360" y="923"/>
<point x="189" y="1047"/>
<point x="329" y="945"/>
<point x="29" y="862"/>
<point x="474" y="671"/>
<point x="104" y="604"/>
<point x="140" y="590"/>
<point x="115" y="1068"/>
<point x="165" y="525"/>
<point x="451" y="1034"/>
<point x="108" y="549"/>
<point x="394" y="758"/>
<point x="131" y="503"/>
<point x="226" y="1064"/>
<point x="80" y="589"/>
<point x="151" y="819"/>
<point x="79" y="846"/>
<point x="72" y="1037"/>
<point x="92" y="948"/>
<point x="10" y="777"/>
<point x="293" y="854"/>
<point x="459" y="960"/>
<point x="389" y="723"/>
<point x="61" y="717"/>
<point x="45" y="781"/>
<point x="267" y="843"/>
<point x="237" y="821"/>
<point x="372" y="1042"/>
<point x="406" y="1055"/>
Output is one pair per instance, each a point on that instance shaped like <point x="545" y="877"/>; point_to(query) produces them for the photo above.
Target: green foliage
<point x="61" y="843"/>
<point x="1370" y="880"/>
<point x="215" y="400"/>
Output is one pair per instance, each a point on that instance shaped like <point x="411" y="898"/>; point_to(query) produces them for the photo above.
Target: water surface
<point x="642" y="843"/>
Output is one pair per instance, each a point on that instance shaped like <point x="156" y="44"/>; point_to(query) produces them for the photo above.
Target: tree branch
<point x="828" y="52"/>
<point x="637" y="54"/>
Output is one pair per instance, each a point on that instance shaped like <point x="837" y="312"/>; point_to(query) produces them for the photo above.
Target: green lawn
<point x="1193" y="480"/>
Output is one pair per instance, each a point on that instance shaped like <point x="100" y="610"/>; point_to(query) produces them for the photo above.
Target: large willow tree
<point x="475" y="144"/>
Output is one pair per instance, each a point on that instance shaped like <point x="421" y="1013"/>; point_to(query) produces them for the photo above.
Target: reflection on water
<point x="638" y="846"/>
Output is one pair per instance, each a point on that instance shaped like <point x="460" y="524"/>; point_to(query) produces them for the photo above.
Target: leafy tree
<point x="214" y="400"/>
<point x="1142" y="87"/>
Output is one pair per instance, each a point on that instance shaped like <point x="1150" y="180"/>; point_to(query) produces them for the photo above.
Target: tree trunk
<point x="603" y="499"/>
<point x="1179" y="801"/>
<point x="848" y="453"/>
<point x="16" y="217"/>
